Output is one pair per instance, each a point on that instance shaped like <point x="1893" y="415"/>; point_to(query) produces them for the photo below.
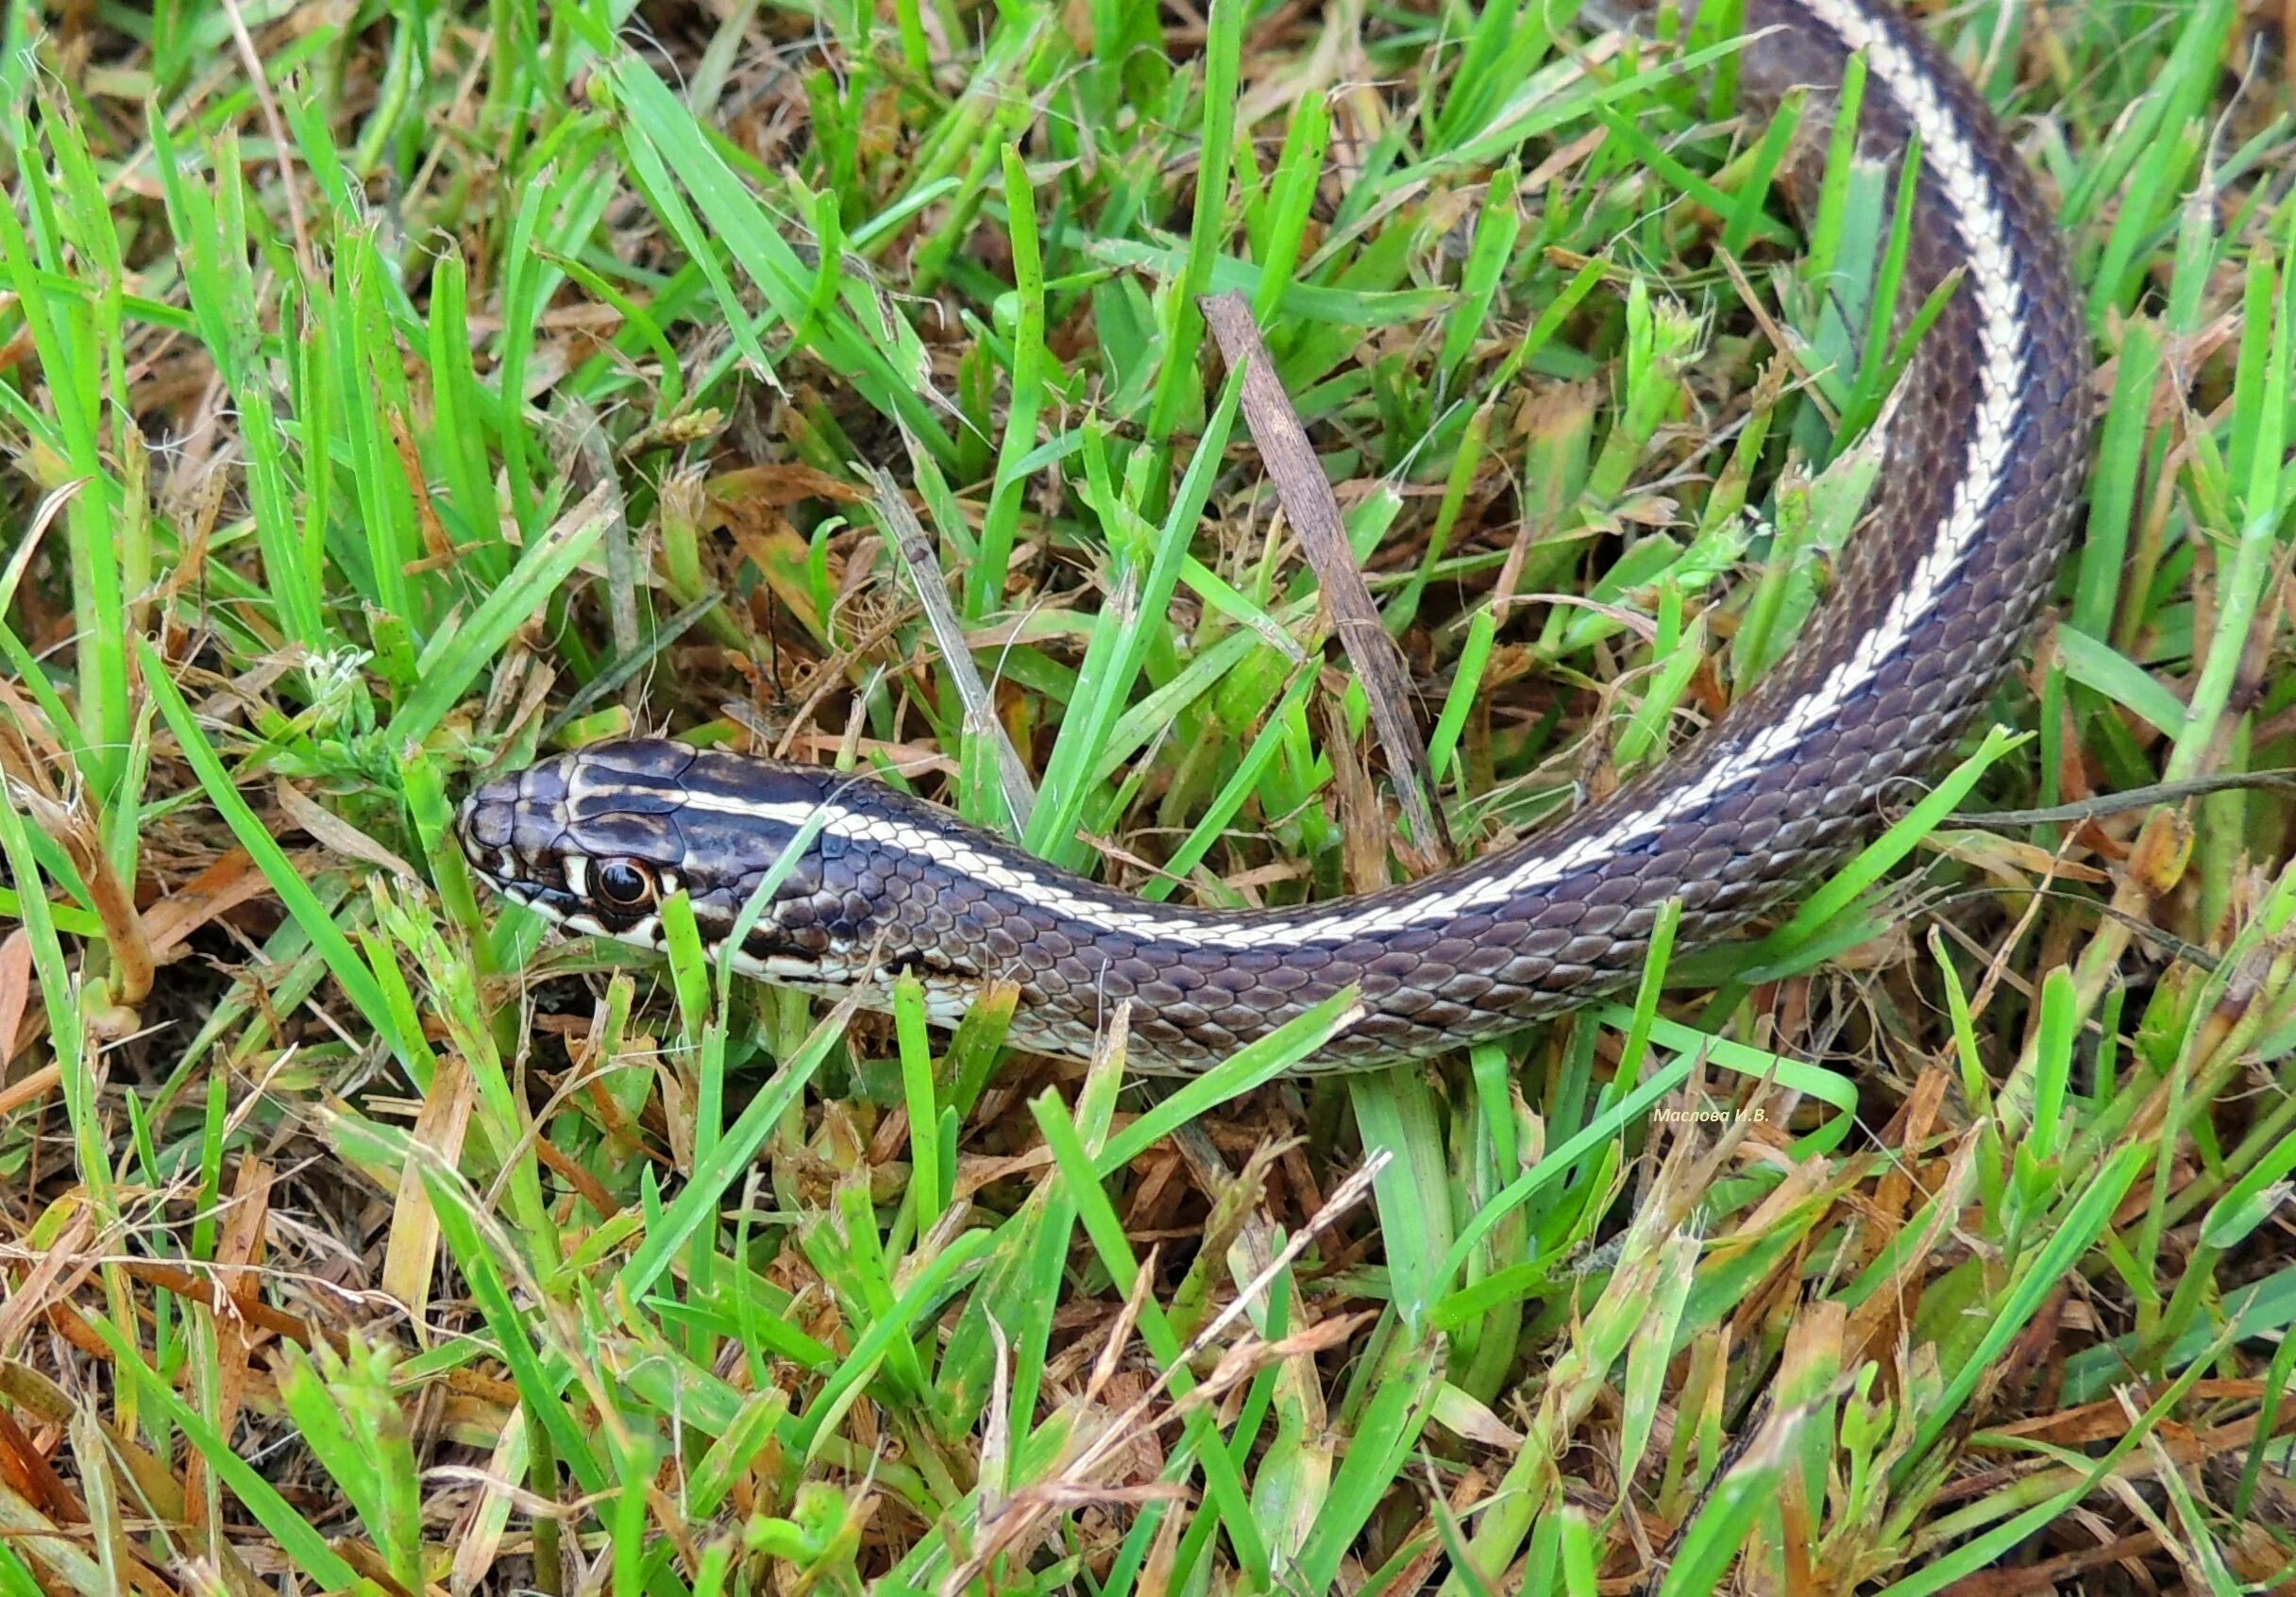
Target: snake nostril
<point x="488" y="818"/>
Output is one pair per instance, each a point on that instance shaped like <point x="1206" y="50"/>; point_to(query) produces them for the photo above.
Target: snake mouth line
<point x="766" y="954"/>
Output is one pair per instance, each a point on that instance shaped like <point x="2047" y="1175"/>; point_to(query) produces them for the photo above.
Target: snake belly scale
<point x="1984" y="445"/>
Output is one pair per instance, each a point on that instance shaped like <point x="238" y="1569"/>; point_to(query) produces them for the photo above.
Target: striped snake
<point x="1984" y="447"/>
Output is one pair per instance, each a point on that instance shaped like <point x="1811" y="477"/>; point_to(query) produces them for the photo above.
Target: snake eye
<point x="625" y="884"/>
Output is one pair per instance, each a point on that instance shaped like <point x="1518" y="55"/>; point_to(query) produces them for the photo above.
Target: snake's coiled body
<point x="1984" y="450"/>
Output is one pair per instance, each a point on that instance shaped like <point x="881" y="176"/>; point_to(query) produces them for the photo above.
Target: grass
<point x="832" y="381"/>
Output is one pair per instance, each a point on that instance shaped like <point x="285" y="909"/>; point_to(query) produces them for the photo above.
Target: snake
<point x="1982" y="446"/>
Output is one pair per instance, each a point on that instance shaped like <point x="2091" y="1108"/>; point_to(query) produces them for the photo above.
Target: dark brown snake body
<point x="1984" y="450"/>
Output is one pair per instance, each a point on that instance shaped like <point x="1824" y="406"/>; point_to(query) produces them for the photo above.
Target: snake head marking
<point x="597" y="839"/>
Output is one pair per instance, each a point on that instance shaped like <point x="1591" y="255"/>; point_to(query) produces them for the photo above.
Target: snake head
<point x="597" y="840"/>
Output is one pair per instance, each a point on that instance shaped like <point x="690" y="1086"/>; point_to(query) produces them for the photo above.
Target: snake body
<point x="1984" y="447"/>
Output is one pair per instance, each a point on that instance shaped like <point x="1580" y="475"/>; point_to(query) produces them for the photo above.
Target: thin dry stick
<point x="2101" y="804"/>
<point x="261" y="85"/>
<point x="1314" y="514"/>
<point x="578" y="426"/>
<point x="914" y="549"/>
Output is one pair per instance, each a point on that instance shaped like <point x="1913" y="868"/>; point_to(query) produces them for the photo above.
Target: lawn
<point x="394" y="392"/>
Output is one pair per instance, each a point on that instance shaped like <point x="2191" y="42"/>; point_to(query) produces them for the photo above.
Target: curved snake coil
<point x="1984" y="450"/>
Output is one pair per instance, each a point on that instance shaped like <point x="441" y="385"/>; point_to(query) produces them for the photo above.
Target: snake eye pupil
<point x="624" y="884"/>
